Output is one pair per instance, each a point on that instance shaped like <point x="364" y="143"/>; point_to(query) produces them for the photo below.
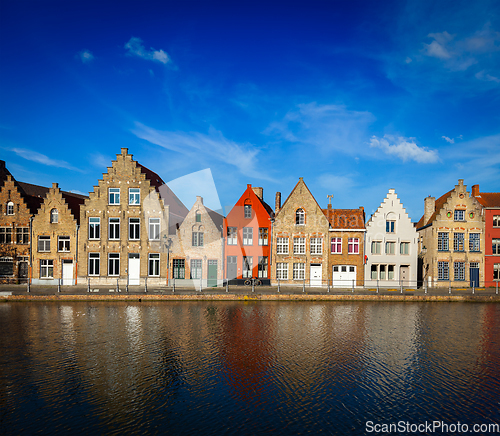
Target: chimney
<point x="475" y="190"/>
<point x="259" y="192"/>
<point x="277" y="205"/>
<point x="429" y="208"/>
<point x="199" y="198"/>
<point x="55" y="185"/>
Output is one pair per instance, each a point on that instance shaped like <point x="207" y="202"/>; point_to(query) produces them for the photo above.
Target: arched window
<point x="10" y="208"/>
<point x="54" y="216"/>
<point x="300" y="217"/>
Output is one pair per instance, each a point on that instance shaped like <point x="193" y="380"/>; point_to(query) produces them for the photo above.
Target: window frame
<point x="263" y="236"/>
<point x="337" y="243"/>
<point x="22" y="235"/>
<point x="232" y="236"/>
<point x="496" y="271"/>
<point x="495" y="246"/>
<point x="94" y="264"/>
<point x="402" y="251"/>
<point x="115" y="225"/>
<point x="63" y="241"/>
<point x="474" y="242"/>
<point x="134" y="229"/>
<point x="459" y="215"/>
<point x="5" y="235"/>
<point x="113" y="194"/>
<point x="263" y="267"/>
<point x="46" y="268"/>
<point x="390" y="248"/>
<point x="378" y="246"/>
<point x="113" y="264"/>
<point x="46" y="244"/>
<point x="247" y="211"/>
<point x="282" y="245"/>
<point x="178" y="266"/>
<point x="197" y="266"/>
<point x="459" y="271"/>
<point x="299" y="271"/>
<point x="154" y="228"/>
<point x="248" y="236"/>
<point x="197" y="239"/>
<point x="134" y="196"/>
<point x="10" y="208"/>
<point x="496" y="220"/>
<point x="247" y="267"/>
<point x="281" y="271"/>
<point x="316" y="245"/>
<point x="459" y="242"/>
<point x="390" y="226"/>
<point x="94" y="228"/>
<point x="154" y="265"/>
<point x="299" y="245"/>
<point x="54" y="216"/>
<point x="300" y="217"/>
<point x="443" y="241"/>
<point x="353" y="246"/>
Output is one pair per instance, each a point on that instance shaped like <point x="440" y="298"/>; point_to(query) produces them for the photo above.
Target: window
<point x="94" y="263"/>
<point x="300" y="217"/>
<point x="154" y="264"/>
<point x="496" y="220"/>
<point x="404" y="248"/>
<point x="44" y="243"/>
<point x="474" y="241"/>
<point x="114" y="195"/>
<point x="198" y="217"/>
<point x="231" y="236"/>
<point x="263" y="235"/>
<point x="299" y="270"/>
<point x="134" y="196"/>
<point x="113" y="264"/>
<point x="374" y="272"/>
<point x="247" y="236"/>
<point x="94" y="228"/>
<point x="459" y="215"/>
<point x="382" y="272"/>
<point x="6" y="266"/>
<point x="63" y="243"/>
<point x="459" y="270"/>
<point x="316" y="245"/>
<point x="179" y="268"/>
<point x="282" y="271"/>
<point x="282" y="245"/>
<point x="22" y="235"/>
<point x="5" y="235"/>
<point x="496" y="271"/>
<point x="154" y="229"/>
<point x="458" y="241"/>
<point x="114" y="228"/>
<point x="10" y="208"/>
<point x="443" y="271"/>
<point x="248" y="211"/>
<point x="197" y="239"/>
<point x="262" y="269"/>
<point x="247" y="266"/>
<point x="46" y="268"/>
<point x="353" y="246"/>
<point x="299" y="245"/>
<point x="495" y="245"/>
<point x="337" y="245"/>
<point x="134" y="228"/>
<point x="390" y="248"/>
<point x="54" y="216"/>
<point x="376" y="247"/>
<point x="443" y="241"/>
<point x="196" y="268"/>
<point x="390" y="226"/>
<point x="390" y="272"/>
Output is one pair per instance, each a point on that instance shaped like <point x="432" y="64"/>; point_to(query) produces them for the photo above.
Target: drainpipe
<point x="31" y="253"/>
<point x="76" y="255"/>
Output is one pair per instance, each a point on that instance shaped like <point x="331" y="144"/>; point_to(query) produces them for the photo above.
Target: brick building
<point x="196" y="254"/>
<point x="300" y="231"/>
<point x="451" y="239"/>
<point x="346" y="246"/>
<point x="55" y="237"/>
<point x="491" y="211"/>
<point x="247" y="244"/>
<point x="124" y="227"/>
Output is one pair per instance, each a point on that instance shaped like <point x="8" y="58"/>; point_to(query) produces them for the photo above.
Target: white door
<point x="343" y="276"/>
<point x="315" y="275"/>
<point x="67" y="272"/>
<point x="404" y="273"/>
<point x="134" y="269"/>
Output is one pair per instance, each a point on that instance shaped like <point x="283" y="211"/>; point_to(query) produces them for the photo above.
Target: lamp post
<point x="167" y="242"/>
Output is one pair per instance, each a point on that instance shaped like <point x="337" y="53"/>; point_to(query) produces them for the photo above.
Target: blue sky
<point x="356" y="97"/>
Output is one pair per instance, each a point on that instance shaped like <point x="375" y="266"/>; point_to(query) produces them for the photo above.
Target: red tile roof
<point x="345" y="218"/>
<point x="489" y="199"/>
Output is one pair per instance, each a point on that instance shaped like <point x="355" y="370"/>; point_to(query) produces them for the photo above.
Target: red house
<point x="247" y="230"/>
<point x="491" y="207"/>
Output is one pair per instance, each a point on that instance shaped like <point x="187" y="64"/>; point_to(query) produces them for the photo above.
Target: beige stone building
<point x="196" y="254"/>
<point x="55" y="238"/>
<point x="299" y="240"/>
<point x="124" y="227"/>
<point x="451" y="240"/>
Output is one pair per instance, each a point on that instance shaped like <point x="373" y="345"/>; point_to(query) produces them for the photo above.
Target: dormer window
<point x="10" y="208"/>
<point x="300" y="217"/>
<point x="54" y="216"/>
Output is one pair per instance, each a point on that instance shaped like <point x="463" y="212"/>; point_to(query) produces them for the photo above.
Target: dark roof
<point x="4" y="172"/>
<point x="216" y="217"/>
<point x="153" y="178"/>
<point x="346" y="218"/>
<point x="488" y="199"/>
<point x="268" y="208"/>
<point x="74" y="201"/>
<point x="439" y="204"/>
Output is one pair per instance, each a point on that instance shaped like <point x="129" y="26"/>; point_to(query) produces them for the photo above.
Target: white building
<point x="391" y="246"/>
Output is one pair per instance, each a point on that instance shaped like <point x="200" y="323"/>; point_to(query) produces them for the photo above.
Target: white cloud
<point x="86" y="56"/>
<point x="212" y="145"/>
<point x="135" y="48"/>
<point x="450" y="140"/>
<point x="34" y="156"/>
<point x="482" y="75"/>
<point x="404" y="148"/>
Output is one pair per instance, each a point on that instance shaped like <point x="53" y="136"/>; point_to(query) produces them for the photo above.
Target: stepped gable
<point x="4" y="172"/>
<point x="439" y="204"/>
<point x="346" y="218"/>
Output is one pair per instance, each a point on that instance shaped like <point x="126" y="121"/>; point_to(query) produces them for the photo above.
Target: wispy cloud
<point x="135" y="47"/>
<point x="34" y="156"/>
<point x="450" y="140"/>
<point x="212" y="145"/>
<point x="482" y="75"/>
<point x="404" y="148"/>
<point x="85" y="56"/>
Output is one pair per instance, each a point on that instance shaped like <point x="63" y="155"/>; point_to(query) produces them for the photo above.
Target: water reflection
<point x="212" y="368"/>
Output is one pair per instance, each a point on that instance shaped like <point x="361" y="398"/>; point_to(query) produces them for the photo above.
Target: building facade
<point x="451" y="239"/>
<point x="392" y="245"/>
<point x="247" y="230"/>
<point x="124" y="227"/>
<point x="299" y="236"/>
<point x="55" y="238"/>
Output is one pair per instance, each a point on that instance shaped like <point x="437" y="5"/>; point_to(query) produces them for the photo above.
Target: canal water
<point x="215" y="368"/>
